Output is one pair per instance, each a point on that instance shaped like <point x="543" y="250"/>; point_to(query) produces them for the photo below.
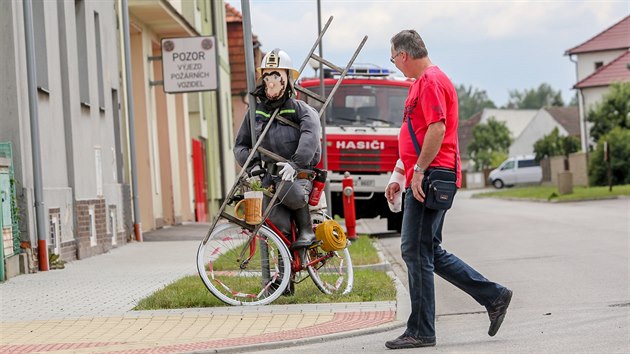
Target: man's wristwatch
<point x="418" y="169"/>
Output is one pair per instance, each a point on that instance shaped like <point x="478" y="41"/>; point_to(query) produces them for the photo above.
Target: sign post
<point x="189" y="64"/>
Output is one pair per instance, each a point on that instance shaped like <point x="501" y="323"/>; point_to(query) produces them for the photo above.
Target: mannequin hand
<point x="287" y="172"/>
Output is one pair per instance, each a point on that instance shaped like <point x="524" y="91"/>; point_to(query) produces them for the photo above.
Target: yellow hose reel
<point x="332" y="236"/>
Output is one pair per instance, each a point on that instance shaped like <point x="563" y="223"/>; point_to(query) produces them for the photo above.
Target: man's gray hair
<point x="409" y="41"/>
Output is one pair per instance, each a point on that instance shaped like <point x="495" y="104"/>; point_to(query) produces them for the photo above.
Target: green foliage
<point x="574" y="101"/>
<point x="16" y="215"/>
<point x="471" y="101"/>
<point x="490" y="143"/>
<point x="613" y="111"/>
<point x="362" y="251"/>
<point x="553" y="144"/>
<point x="543" y="96"/>
<point x="619" y="152"/>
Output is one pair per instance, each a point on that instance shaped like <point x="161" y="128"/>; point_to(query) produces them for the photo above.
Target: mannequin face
<point x="275" y="82"/>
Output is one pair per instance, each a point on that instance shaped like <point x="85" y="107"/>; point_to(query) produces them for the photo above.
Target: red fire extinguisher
<point x="348" y="206"/>
<point x="319" y="183"/>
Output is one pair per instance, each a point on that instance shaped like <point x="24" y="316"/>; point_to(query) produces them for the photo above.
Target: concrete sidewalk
<point x="87" y="308"/>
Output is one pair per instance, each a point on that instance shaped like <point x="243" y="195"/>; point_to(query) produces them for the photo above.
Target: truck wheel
<point x="497" y="183"/>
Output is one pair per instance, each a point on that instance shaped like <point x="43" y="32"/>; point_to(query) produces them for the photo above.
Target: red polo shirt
<point x="431" y="99"/>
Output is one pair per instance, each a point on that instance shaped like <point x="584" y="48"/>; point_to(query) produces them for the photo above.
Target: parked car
<point x="516" y="170"/>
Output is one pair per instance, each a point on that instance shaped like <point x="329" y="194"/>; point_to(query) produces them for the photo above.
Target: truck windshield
<point x="363" y="105"/>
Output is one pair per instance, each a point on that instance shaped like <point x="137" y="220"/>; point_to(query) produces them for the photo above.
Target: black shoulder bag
<point x="439" y="184"/>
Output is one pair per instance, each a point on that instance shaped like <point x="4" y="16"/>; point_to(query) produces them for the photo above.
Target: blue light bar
<point x="363" y="70"/>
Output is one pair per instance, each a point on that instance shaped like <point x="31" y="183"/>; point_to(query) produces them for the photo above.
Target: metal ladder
<point x="241" y="179"/>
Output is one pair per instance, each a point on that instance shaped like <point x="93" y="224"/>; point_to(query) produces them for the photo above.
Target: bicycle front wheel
<point x="331" y="271"/>
<point x="240" y="269"/>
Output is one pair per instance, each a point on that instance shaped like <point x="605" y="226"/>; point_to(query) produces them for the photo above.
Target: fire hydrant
<point x="348" y="206"/>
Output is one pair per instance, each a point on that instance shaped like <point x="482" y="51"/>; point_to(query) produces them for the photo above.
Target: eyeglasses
<point x="394" y="57"/>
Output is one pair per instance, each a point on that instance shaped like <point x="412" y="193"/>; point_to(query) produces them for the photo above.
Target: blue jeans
<point x="421" y="250"/>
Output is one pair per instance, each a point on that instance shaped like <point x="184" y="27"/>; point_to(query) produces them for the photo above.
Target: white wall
<point x="586" y="61"/>
<point x="542" y="124"/>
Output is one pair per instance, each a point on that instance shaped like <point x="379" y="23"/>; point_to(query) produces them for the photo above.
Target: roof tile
<point x="568" y="117"/>
<point x="616" y="70"/>
<point x="616" y="36"/>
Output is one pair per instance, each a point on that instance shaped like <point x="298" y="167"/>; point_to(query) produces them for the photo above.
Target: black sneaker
<point x="497" y="311"/>
<point x="405" y="341"/>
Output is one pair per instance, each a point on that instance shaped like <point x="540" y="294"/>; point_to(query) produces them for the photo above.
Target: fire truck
<point x="362" y="125"/>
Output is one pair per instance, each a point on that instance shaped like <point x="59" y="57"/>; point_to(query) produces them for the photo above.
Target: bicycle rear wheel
<point x="233" y="265"/>
<point x="331" y="271"/>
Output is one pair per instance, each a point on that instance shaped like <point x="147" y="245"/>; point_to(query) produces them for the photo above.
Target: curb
<point x="402" y="296"/>
<point x="303" y="341"/>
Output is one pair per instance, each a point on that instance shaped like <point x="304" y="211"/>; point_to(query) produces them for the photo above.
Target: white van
<point x="516" y="170"/>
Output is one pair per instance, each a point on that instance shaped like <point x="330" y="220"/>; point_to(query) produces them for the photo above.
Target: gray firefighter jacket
<point x="302" y="147"/>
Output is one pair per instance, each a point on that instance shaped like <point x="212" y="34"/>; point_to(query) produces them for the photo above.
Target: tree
<point x="553" y="144"/>
<point x="574" y="100"/>
<point x="490" y="143"/>
<point x="613" y="111"/>
<point x="543" y="96"/>
<point x="619" y="153"/>
<point x="472" y="101"/>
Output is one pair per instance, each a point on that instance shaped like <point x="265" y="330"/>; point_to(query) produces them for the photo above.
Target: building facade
<point x="599" y="62"/>
<point x="85" y="197"/>
<point x="181" y="138"/>
<point x="183" y="141"/>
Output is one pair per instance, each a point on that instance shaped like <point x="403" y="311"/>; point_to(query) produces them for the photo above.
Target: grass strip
<point x="550" y="193"/>
<point x="369" y="285"/>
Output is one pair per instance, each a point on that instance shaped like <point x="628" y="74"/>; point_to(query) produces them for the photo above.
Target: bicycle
<point x="242" y="269"/>
<point x="244" y="264"/>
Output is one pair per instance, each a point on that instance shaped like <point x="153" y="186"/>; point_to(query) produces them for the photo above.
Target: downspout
<point x="137" y="224"/>
<point x="219" y="98"/>
<point x="42" y="248"/>
<point x="581" y="109"/>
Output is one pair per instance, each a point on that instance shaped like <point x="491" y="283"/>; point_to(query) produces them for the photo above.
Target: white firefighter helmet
<point x="278" y="59"/>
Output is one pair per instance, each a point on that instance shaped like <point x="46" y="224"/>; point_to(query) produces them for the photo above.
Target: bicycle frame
<point x="296" y="264"/>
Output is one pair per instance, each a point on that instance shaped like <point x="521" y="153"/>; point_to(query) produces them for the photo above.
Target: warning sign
<point x="189" y="64"/>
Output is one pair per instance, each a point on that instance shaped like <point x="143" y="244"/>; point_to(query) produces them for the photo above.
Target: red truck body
<point x="362" y="125"/>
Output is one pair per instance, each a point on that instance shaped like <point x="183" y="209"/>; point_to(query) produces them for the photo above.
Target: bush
<point x="613" y="111"/>
<point x="553" y="144"/>
<point x="619" y="152"/>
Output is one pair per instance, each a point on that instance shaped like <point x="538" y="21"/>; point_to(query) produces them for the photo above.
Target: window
<point x="99" y="61"/>
<point x="92" y="214"/>
<point x="112" y="224"/>
<point x="508" y="166"/>
<point x="55" y="231"/>
<point x="98" y="163"/>
<point x="41" y="56"/>
<point x="598" y="64"/>
<point x="527" y="163"/>
<point x="376" y="105"/>
<point x="84" y="88"/>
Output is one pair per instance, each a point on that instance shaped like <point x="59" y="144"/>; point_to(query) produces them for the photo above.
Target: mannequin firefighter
<point x="299" y="146"/>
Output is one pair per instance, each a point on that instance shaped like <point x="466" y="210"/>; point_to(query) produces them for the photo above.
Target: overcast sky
<point x="496" y="46"/>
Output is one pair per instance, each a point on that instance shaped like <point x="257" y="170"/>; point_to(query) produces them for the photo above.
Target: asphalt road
<point x="567" y="263"/>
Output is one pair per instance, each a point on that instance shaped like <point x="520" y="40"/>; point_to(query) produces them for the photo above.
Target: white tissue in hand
<point x="396" y="206"/>
<point x="397" y="177"/>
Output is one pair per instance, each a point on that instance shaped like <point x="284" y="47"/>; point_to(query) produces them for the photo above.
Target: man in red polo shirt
<point x="431" y="107"/>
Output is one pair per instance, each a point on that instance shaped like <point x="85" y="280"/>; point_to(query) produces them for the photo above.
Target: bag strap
<point x="413" y="136"/>
<point x="417" y="145"/>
